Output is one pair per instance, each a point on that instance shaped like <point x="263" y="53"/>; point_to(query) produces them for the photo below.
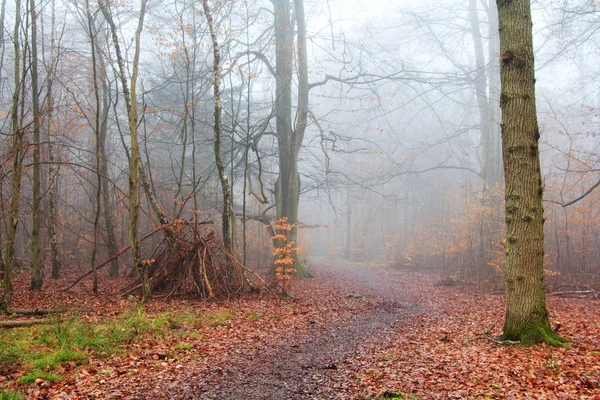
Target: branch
<point x="590" y="190"/>
<point x="261" y="57"/>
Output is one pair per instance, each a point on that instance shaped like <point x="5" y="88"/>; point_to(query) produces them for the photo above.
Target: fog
<point x="398" y="149"/>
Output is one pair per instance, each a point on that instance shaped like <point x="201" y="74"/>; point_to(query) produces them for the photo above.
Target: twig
<point x="119" y="254"/>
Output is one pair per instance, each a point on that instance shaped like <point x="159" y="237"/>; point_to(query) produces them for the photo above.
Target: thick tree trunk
<point x="287" y="187"/>
<point x="526" y="313"/>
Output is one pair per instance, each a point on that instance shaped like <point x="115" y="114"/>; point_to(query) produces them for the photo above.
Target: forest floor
<point x="357" y="331"/>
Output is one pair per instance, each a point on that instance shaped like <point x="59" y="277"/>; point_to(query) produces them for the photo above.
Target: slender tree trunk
<point x="526" y="313"/>
<point x="227" y="206"/>
<point x="17" y="158"/>
<point x="97" y="129"/>
<point x="135" y="168"/>
<point x="2" y="44"/>
<point x="348" y="246"/>
<point x="36" y="273"/>
<point x="111" y="241"/>
<point x="53" y="169"/>
<point x="494" y="169"/>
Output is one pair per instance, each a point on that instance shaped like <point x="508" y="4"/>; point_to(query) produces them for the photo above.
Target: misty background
<point x="401" y="158"/>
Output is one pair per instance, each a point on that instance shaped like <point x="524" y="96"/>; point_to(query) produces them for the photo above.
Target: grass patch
<point x="393" y="395"/>
<point x="47" y="362"/>
<point x="218" y="319"/>
<point x="11" y="395"/>
<point x="39" y="350"/>
<point x="254" y="316"/>
<point x="183" y="346"/>
<point x="193" y="334"/>
<point x="36" y="374"/>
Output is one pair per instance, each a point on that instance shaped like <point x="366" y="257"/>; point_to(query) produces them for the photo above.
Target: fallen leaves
<point x="418" y="339"/>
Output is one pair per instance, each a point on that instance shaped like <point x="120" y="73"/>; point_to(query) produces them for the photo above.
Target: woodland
<point x="224" y="199"/>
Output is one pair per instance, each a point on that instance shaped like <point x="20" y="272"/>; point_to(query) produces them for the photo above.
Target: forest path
<point x="309" y="365"/>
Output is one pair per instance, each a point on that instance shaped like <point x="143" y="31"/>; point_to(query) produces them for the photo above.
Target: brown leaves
<point x="441" y="351"/>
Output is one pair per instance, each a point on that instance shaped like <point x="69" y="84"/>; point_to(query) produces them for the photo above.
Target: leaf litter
<point x="355" y="332"/>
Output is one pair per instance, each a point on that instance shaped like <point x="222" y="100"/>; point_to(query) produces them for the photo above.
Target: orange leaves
<point x="284" y="259"/>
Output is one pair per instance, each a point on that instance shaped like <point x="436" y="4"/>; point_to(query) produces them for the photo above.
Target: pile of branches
<point x="192" y="260"/>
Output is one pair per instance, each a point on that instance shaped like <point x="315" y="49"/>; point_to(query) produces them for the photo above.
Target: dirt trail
<point x="311" y="365"/>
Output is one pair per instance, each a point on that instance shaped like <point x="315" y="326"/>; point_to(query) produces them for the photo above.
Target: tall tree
<point x="17" y="142"/>
<point x="135" y="167"/>
<point x="227" y="201"/>
<point x="526" y="312"/>
<point x="97" y="128"/>
<point x="52" y="169"/>
<point x="36" y="273"/>
<point x="290" y="133"/>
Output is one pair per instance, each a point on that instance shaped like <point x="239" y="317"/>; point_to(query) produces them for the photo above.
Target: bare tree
<point x="129" y="93"/>
<point x="18" y="141"/>
<point x="36" y="273"/>
<point x="227" y="201"/>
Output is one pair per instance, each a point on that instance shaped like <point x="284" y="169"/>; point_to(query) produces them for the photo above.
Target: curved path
<point x="310" y="367"/>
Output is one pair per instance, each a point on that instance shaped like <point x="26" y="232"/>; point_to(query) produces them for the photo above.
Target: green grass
<point x="183" y="346"/>
<point x="10" y="395"/>
<point x="218" y="319"/>
<point x="254" y="316"/>
<point x="36" y="374"/>
<point x="39" y="350"/>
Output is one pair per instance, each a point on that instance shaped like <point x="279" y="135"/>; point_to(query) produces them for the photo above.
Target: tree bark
<point x="289" y="139"/>
<point x="17" y="158"/>
<point x="36" y="273"/>
<point x="227" y="203"/>
<point x="97" y="128"/>
<point x="526" y="313"/>
<point x="135" y="167"/>
<point x="53" y="169"/>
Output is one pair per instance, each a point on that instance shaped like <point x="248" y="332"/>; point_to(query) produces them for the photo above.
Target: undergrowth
<point x="10" y="395"/>
<point x="39" y="351"/>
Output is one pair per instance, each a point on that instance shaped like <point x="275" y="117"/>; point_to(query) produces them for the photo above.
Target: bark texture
<point x="290" y="134"/>
<point x="227" y="200"/>
<point x="36" y="272"/>
<point x="17" y="142"/>
<point x="526" y="313"/>
<point x="135" y="168"/>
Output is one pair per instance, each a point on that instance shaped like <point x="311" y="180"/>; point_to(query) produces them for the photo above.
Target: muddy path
<point x="315" y="365"/>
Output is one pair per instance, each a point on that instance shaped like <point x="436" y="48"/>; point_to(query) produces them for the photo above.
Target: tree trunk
<point x="97" y="129"/>
<point x="135" y="167"/>
<point x="36" y="273"/>
<point x="289" y="140"/>
<point x="227" y="204"/>
<point x="494" y="160"/>
<point x="526" y="313"/>
<point x="111" y="241"/>
<point x="17" y="156"/>
<point x="53" y="169"/>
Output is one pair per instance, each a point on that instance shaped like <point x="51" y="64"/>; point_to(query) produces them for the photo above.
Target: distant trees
<point x="526" y="313"/>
